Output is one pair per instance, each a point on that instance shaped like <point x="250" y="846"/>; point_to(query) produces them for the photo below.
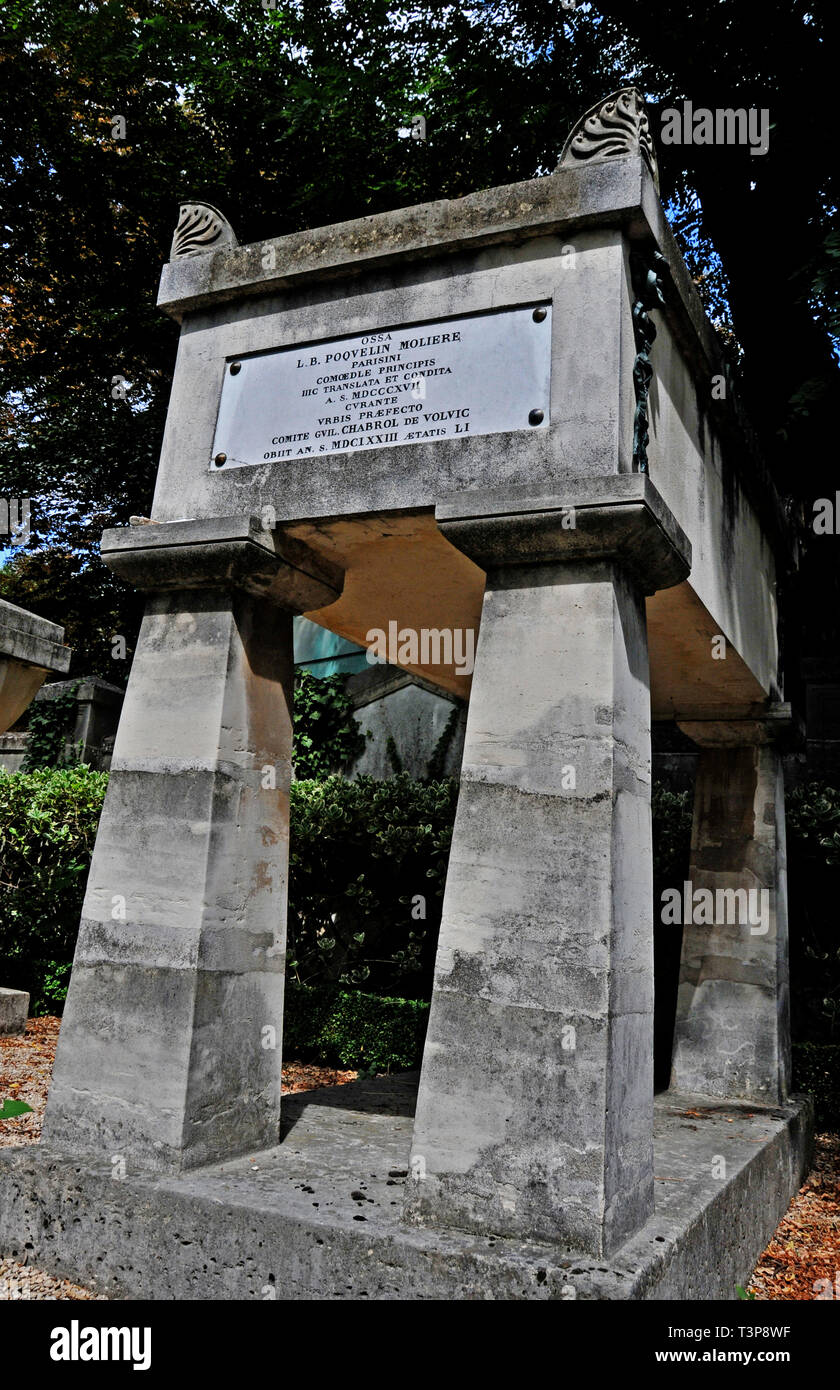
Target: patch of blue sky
<point x="684" y="211"/>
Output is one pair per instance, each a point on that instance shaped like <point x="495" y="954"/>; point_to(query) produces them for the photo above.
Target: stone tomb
<point x="31" y="648"/>
<point x="492" y="416"/>
<point x="14" y="1011"/>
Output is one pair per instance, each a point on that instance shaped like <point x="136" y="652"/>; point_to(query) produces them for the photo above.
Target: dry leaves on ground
<point x="26" y="1063"/>
<point x="806" y="1246"/>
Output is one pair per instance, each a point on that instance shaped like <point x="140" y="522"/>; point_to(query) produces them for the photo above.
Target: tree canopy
<point x="289" y="115"/>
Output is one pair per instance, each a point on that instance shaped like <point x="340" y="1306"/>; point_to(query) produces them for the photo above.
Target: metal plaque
<point x="448" y="379"/>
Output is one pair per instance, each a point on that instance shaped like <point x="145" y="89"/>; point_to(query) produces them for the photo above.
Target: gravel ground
<point x="22" y="1281"/>
<point x="804" y="1249"/>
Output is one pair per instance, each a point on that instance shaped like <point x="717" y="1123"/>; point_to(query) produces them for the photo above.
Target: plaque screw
<point x="535" y="417"/>
<point x="538" y="315"/>
<point x="235" y="367"/>
<point x="220" y="459"/>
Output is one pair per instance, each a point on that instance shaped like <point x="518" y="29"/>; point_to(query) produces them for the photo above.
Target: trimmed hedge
<point x="367" y="873"/>
<point x="816" y="1069"/>
<point x="351" y="1029"/>
<point x="48" y="822"/>
<point x="368" y="866"/>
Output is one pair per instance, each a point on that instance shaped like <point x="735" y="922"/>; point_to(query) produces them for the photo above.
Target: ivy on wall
<point x="47" y="731"/>
<point x="326" y="736"/>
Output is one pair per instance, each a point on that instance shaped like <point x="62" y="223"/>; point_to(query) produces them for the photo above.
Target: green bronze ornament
<point x="647" y="282"/>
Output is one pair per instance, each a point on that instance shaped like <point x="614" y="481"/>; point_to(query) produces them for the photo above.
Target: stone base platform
<point x="318" y="1217"/>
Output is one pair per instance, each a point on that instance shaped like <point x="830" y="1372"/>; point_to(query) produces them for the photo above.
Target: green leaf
<point x="11" y="1108"/>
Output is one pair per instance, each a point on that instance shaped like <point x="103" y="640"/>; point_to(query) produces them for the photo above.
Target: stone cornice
<point x="620" y="518"/>
<point x="222" y="553"/>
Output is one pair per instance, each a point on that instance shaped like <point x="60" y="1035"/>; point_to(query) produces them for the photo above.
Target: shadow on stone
<point x="380" y="1095"/>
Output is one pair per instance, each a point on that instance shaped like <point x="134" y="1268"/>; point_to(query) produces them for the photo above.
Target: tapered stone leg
<point x="732" y="1035"/>
<point x="534" y="1115"/>
<point x="170" y="1046"/>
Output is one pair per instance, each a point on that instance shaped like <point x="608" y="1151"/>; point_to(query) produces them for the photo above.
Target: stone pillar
<point x="534" y="1115"/>
<point x="732" y="1035"/>
<point x="170" y="1046"/>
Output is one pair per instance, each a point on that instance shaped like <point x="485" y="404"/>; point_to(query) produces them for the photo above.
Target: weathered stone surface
<point x="27" y="638"/>
<point x="590" y="406"/>
<point x="288" y="1225"/>
<point x="545" y="952"/>
<point x="391" y="704"/>
<point x="493" y="250"/>
<point x="180" y="956"/>
<point x="621" y="517"/>
<point x="732" y="1035"/>
<point x="170" y="1045"/>
<point x="570" y="197"/>
<point x="776" y="723"/>
<point x="14" y="1010"/>
<point x="228" y="551"/>
<point x="546" y="927"/>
